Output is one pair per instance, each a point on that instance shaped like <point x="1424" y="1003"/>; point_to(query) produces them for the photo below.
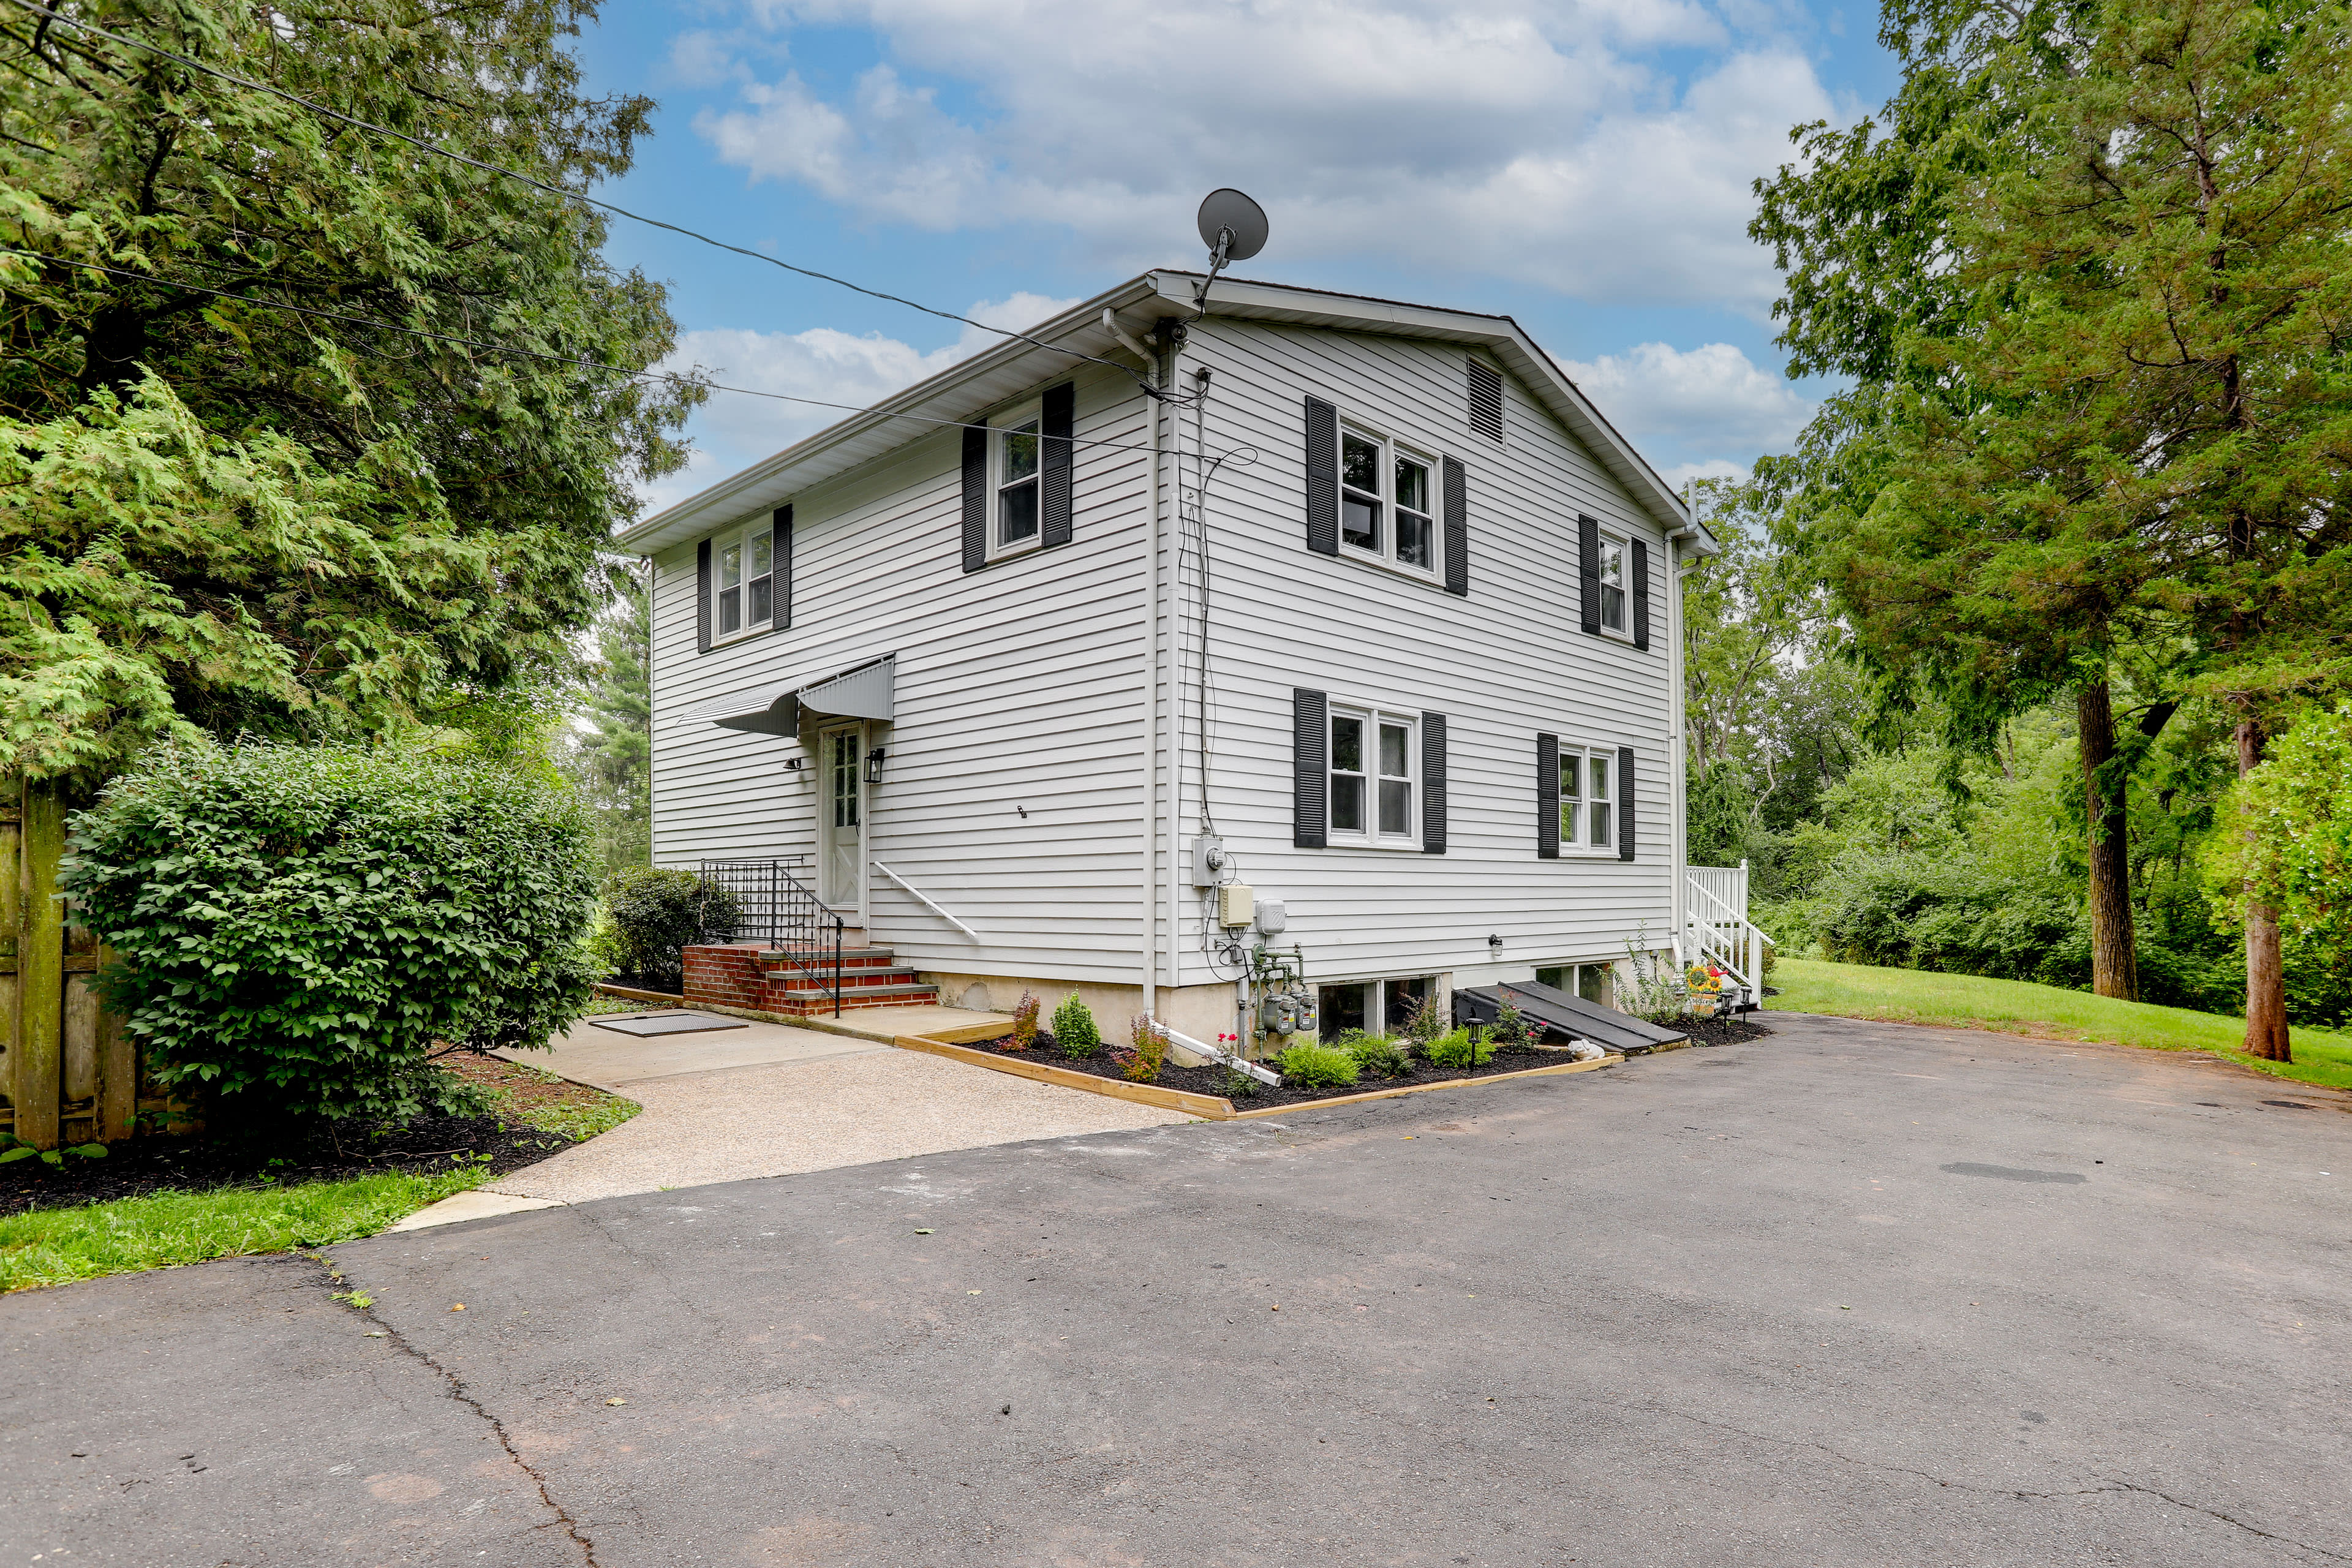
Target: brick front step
<point x="851" y="958"/>
<point x="851" y="979"/>
<point x="812" y="1004"/>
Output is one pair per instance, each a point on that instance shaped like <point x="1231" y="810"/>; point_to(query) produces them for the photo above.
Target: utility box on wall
<point x="1236" y="904"/>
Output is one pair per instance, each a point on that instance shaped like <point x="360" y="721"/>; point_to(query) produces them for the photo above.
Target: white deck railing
<point x="1717" y="929"/>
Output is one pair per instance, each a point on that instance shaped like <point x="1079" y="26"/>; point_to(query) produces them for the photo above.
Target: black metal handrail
<point x="777" y="907"/>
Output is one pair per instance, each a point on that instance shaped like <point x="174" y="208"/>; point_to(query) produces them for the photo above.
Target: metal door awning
<point x="867" y="690"/>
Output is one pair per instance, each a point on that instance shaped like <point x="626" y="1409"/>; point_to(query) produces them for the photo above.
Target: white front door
<point x="841" y="819"/>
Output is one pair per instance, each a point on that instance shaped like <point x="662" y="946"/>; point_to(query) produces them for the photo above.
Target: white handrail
<point x="926" y="900"/>
<point x="1722" y="930"/>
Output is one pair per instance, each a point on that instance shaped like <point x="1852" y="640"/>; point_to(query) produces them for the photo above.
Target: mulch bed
<point x="139" y="1167"/>
<point x="1216" y="1080"/>
<point x="1724" y="1031"/>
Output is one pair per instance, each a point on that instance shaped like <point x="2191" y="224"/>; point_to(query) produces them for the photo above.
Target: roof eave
<point x="961" y="392"/>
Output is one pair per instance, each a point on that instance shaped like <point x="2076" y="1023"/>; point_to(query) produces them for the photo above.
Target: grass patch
<point x="2049" y="1012"/>
<point x="56" y="1247"/>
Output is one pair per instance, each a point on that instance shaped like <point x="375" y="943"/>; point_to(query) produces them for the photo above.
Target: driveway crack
<point x="463" y="1395"/>
<point x="2115" y="1485"/>
<point x="2108" y="1483"/>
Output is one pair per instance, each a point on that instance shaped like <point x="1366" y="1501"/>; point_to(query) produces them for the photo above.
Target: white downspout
<point x="1170" y="644"/>
<point x="1150" y="945"/>
<point x="1676" y="740"/>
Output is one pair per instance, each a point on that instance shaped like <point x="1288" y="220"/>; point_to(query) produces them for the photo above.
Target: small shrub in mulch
<point x="535" y="1115"/>
<point x="1315" y="1067"/>
<point x="1075" y="1033"/>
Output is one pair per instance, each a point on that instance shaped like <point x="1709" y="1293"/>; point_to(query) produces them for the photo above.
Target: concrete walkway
<point x="769" y="1101"/>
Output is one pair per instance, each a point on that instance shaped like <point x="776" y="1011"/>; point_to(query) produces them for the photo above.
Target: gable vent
<point x="1485" y="399"/>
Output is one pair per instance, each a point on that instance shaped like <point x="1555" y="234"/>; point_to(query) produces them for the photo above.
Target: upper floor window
<point x="1587" y="798"/>
<point x="1613" y="583"/>
<point x="1015" y="443"/>
<point x="742" y="581"/>
<point x="1375" y="776"/>
<point x="1387" y="500"/>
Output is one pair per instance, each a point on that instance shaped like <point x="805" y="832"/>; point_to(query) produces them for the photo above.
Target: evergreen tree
<point x="424" y="516"/>
<point x="611" y="761"/>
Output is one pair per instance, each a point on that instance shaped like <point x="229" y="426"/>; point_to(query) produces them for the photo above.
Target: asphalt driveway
<point x="1854" y="1295"/>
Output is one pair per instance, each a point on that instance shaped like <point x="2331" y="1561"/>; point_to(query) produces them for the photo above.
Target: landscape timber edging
<point x="1210" y="1108"/>
<point x="1609" y="1060"/>
<point x="1207" y="1107"/>
<point x="605" y="988"/>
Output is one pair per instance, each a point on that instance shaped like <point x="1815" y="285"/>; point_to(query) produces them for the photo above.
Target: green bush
<point x="1146" y="1052"/>
<point x="657" y="913"/>
<point x="1075" y="1035"/>
<point x="301" y="929"/>
<point x="1315" y="1067"/>
<point x="1375" y="1056"/>
<point x="1460" y="1050"/>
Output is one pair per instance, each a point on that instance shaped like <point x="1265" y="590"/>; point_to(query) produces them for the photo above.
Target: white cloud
<point x="732" y="430"/>
<point x="1531" y="139"/>
<point x="1710" y="400"/>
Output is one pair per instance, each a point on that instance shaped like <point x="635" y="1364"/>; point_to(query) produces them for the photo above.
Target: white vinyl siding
<point x="1017" y="687"/>
<point x="1013" y="791"/>
<point x="1502" y="665"/>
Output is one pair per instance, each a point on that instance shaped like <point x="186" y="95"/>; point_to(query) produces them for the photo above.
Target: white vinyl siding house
<point x="1406" y="604"/>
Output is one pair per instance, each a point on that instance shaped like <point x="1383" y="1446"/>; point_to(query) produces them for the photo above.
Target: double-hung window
<point x="1015" y="443"/>
<point x="1387" y="500"/>
<point x="1587" y="781"/>
<point x="1375" y="778"/>
<point x="743" y="582"/>
<point x="1613" y="584"/>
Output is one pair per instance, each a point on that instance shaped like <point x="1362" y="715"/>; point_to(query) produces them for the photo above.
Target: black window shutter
<point x="1457" y="527"/>
<point x="1322" y="477"/>
<point x="1056" y="425"/>
<point x="1547" y="797"/>
<point x="779" y="559"/>
<point x="1432" y="783"/>
<point x="1309" y="737"/>
<point x="1588" y="572"/>
<point x="1624" y="803"/>
<point x="702" y="597"/>
<point x="975" y="497"/>
<point x="1641" y="595"/>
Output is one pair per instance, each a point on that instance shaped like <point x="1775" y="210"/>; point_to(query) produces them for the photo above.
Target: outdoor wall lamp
<point x="873" y="765"/>
<point x="1495" y="942"/>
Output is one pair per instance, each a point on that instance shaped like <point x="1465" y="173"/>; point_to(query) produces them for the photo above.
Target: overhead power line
<point x="438" y="151"/>
<point x="671" y="377"/>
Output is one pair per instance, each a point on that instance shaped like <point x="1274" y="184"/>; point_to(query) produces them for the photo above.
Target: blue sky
<point x="1584" y="167"/>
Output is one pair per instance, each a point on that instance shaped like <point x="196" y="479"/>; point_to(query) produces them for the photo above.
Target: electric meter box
<point x="1236" y="904"/>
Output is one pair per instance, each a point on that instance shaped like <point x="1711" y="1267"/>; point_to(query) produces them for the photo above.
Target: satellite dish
<point x="1233" y="227"/>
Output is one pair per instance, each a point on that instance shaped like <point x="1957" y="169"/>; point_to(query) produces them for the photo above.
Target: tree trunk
<point x="2267" y="1035"/>
<point x="2115" y="961"/>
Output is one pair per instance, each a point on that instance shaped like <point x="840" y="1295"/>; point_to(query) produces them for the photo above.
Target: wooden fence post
<point x="38" y="1049"/>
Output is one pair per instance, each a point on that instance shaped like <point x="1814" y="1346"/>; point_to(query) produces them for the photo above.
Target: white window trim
<point x="1020" y="414"/>
<point x="1624" y="544"/>
<point x="1370" y="836"/>
<point x="718" y="544"/>
<point x="1579" y="843"/>
<point x="1386" y="555"/>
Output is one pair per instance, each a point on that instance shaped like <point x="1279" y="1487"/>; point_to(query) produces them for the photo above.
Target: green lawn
<point x="1969" y="1002"/>
<point x="56" y="1247"/>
